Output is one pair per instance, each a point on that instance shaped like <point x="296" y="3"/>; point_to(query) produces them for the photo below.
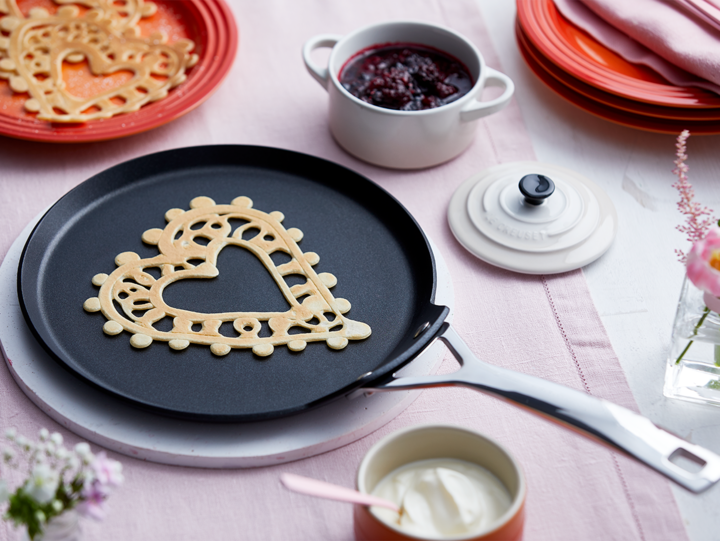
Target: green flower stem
<point x="706" y="311"/>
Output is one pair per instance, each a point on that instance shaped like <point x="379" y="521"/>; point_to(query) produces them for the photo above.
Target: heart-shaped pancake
<point x="131" y="296"/>
<point x="107" y="37"/>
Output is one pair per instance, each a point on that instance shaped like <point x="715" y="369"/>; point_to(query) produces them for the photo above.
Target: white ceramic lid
<point x="544" y="234"/>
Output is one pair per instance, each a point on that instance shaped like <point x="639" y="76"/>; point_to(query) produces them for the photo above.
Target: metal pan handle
<point x="613" y="425"/>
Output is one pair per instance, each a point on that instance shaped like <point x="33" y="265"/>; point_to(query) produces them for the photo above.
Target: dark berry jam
<point x="405" y="77"/>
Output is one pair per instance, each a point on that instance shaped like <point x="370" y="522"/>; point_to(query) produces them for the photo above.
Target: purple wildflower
<point x="107" y="471"/>
<point x="92" y="502"/>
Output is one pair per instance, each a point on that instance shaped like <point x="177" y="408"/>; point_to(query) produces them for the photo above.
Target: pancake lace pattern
<point x="197" y="236"/>
<point x="106" y="34"/>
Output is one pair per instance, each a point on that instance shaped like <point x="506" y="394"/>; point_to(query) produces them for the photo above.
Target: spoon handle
<point x="321" y="489"/>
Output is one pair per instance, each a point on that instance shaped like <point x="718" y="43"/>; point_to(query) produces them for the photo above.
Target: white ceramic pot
<point x="405" y="139"/>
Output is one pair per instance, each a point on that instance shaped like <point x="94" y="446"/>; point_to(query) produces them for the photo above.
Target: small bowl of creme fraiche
<point x="451" y="483"/>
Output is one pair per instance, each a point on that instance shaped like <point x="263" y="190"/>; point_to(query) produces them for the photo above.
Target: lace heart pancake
<point x="107" y="36"/>
<point x="200" y="234"/>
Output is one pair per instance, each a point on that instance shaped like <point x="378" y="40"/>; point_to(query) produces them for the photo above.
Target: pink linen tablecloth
<point x="543" y="325"/>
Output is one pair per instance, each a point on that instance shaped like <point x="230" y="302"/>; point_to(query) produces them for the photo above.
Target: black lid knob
<point x="536" y="188"/>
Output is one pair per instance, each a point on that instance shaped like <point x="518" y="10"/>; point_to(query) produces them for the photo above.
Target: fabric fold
<point x="707" y="11"/>
<point x="655" y="33"/>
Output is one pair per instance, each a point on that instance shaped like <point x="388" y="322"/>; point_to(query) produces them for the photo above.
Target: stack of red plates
<point x="596" y="79"/>
<point x="208" y="23"/>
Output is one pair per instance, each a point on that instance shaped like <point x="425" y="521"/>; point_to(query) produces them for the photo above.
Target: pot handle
<point x="321" y="75"/>
<point x="612" y="425"/>
<point x="478" y="109"/>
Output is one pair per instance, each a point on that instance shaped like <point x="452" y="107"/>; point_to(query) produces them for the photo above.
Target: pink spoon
<point x="321" y="489"/>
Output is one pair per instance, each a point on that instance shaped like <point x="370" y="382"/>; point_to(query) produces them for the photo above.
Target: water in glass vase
<point x="693" y="365"/>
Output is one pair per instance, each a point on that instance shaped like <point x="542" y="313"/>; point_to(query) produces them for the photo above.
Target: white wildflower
<point x="8" y="454"/>
<point x="57" y="506"/>
<point x="73" y="462"/>
<point x="10" y="434"/>
<point x="42" y="484"/>
<point x="49" y="448"/>
<point x="56" y="438"/>
<point x="40" y="516"/>
<point x="44" y="434"/>
<point x="86" y="476"/>
<point x="25" y="444"/>
<point x="82" y="449"/>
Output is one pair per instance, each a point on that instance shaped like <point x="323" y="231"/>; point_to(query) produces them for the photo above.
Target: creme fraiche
<point x="442" y="498"/>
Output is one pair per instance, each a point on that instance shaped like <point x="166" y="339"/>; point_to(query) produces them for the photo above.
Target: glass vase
<point x="693" y="364"/>
<point x="64" y="527"/>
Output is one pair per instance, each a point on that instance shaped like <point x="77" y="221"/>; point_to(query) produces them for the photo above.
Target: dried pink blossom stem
<point x="698" y="219"/>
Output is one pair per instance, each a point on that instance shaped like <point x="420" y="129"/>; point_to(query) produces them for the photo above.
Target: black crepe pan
<point x="364" y="236"/>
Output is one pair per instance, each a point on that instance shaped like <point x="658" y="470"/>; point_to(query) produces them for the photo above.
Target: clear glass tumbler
<point x="693" y="365"/>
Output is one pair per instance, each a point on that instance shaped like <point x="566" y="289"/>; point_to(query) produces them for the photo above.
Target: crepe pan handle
<point x="613" y="425"/>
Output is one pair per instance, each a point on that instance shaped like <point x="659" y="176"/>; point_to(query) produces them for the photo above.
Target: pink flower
<point x="107" y="471"/>
<point x="703" y="263"/>
<point x="697" y="218"/>
<point x="92" y="502"/>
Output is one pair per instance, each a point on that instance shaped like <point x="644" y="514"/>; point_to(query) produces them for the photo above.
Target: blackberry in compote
<point x="405" y="77"/>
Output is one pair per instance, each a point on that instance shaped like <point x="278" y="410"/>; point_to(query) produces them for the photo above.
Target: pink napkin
<point x="679" y="39"/>
<point x="706" y="10"/>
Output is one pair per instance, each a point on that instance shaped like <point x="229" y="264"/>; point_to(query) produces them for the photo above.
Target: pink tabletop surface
<point x="543" y="325"/>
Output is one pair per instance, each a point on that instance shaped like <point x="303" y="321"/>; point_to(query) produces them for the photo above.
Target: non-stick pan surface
<point x="363" y="236"/>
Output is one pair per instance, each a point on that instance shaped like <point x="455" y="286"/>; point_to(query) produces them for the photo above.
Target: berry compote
<point x="405" y="77"/>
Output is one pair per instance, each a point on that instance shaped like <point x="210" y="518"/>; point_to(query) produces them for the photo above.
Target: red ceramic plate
<point x="209" y="23"/>
<point x="625" y="118"/>
<point x="580" y="55"/>
<point x="612" y="100"/>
